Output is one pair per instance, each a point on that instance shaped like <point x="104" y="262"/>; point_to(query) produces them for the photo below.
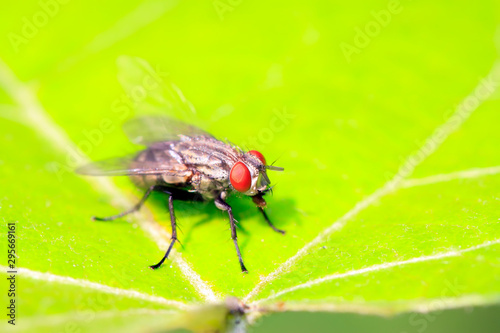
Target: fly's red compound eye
<point x="258" y="155"/>
<point x="240" y="177"/>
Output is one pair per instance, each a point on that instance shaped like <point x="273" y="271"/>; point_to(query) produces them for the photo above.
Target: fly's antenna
<point x="273" y="167"/>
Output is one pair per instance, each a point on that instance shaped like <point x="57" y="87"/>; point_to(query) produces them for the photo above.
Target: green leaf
<point x="390" y="191"/>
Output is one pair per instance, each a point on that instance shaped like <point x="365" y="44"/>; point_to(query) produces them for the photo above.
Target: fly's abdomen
<point x="167" y="169"/>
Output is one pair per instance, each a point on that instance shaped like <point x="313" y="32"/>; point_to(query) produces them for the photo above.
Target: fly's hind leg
<point x="158" y="188"/>
<point x="222" y="205"/>
<point x="174" y="230"/>
<point x="131" y="210"/>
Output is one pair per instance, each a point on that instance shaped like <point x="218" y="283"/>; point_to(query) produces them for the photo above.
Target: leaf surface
<point x="390" y="191"/>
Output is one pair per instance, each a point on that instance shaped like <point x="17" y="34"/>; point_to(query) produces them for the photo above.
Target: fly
<point x="187" y="163"/>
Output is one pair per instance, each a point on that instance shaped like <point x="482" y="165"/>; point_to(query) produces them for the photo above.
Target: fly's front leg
<point x="131" y="210"/>
<point x="222" y="205"/>
<point x="261" y="203"/>
<point x="269" y="221"/>
<point x="174" y="230"/>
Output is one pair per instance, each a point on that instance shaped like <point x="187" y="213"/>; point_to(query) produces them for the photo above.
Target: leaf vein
<point x="463" y="174"/>
<point x="41" y="122"/>
<point x="49" y="277"/>
<point x="431" y="144"/>
<point x="379" y="267"/>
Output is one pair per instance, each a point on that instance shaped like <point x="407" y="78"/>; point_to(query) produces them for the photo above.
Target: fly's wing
<point x="152" y="92"/>
<point x="146" y="163"/>
<point x="148" y="130"/>
<point x="151" y="89"/>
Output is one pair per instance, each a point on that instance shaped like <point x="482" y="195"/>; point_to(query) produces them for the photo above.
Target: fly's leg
<point x="131" y="210"/>
<point x="259" y="201"/>
<point x="139" y="205"/>
<point x="222" y="205"/>
<point x="174" y="230"/>
<point x="269" y="221"/>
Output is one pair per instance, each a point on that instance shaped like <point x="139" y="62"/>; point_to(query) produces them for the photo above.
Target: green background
<point x="353" y="120"/>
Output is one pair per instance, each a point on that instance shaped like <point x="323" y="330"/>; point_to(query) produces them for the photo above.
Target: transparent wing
<point x="151" y="90"/>
<point x="129" y="165"/>
<point x="148" y="130"/>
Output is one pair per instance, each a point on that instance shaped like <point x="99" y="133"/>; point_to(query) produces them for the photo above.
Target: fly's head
<point x="249" y="176"/>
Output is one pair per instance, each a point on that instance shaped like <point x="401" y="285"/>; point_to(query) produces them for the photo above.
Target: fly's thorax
<point x="210" y="161"/>
<point x="206" y="185"/>
<point x="211" y="157"/>
<point x="217" y="165"/>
